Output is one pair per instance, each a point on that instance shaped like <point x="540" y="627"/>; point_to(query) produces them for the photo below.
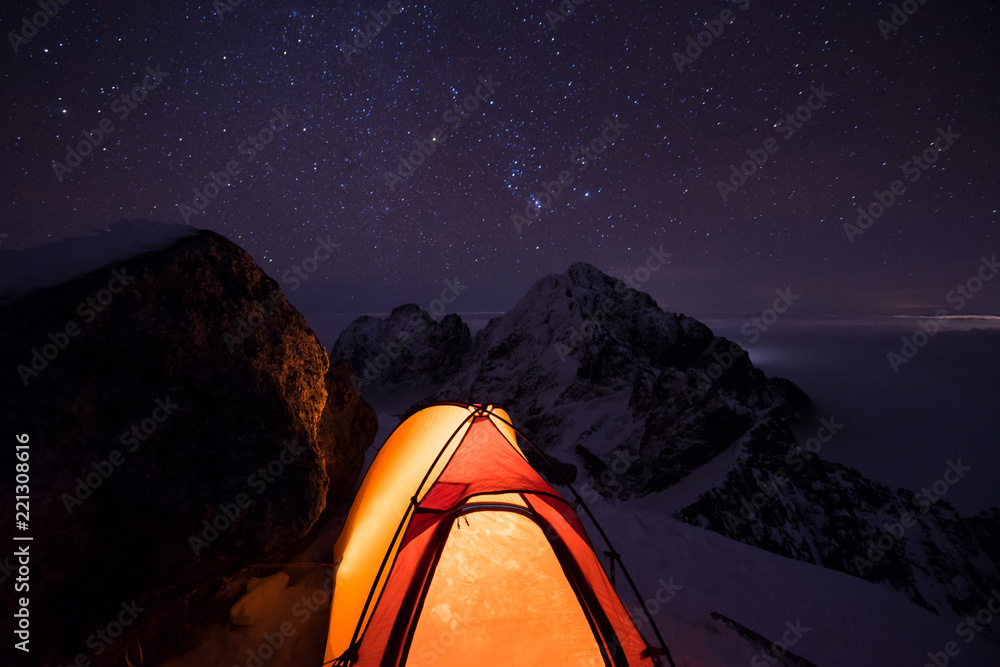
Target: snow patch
<point x="29" y="269"/>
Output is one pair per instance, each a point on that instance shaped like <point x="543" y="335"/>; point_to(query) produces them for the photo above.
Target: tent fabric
<point x="496" y="584"/>
<point x="455" y="539"/>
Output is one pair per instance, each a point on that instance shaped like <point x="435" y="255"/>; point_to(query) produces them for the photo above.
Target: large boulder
<point x="184" y="423"/>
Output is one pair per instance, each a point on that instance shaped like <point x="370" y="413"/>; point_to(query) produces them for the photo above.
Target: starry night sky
<point x="325" y="174"/>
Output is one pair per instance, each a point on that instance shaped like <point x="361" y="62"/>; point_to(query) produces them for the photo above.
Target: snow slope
<point x="29" y="269"/>
<point x="650" y="415"/>
<point x="851" y="622"/>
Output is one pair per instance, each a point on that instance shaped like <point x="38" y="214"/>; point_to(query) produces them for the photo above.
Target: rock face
<point x="346" y="428"/>
<point x="764" y="645"/>
<point x="405" y="350"/>
<point x="184" y="423"/>
<point x="780" y="497"/>
<point x="986" y="527"/>
<point x="594" y="371"/>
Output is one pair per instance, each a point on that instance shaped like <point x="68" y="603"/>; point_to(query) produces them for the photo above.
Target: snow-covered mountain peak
<point x="634" y="402"/>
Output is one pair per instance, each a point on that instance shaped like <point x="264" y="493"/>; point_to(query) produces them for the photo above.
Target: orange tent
<point x="456" y="553"/>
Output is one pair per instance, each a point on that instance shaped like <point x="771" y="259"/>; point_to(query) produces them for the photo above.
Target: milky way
<point x="494" y="142"/>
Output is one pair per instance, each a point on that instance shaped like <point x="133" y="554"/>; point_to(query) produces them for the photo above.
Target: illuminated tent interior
<point x="457" y="553"/>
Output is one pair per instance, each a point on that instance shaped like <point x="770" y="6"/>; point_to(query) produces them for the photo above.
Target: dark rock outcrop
<point x="597" y="373"/>
<point x="769" y="652"/>
<point x="408" y="349"/>
<point x="346" y="422"/>
<point x="183" y="426"/>
<point x="986" y="527"/>
<point x="780" y="497"/>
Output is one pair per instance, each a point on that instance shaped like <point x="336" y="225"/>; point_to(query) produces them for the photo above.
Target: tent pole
<point x="604" y="536"/>
<point x="385" y="559"/>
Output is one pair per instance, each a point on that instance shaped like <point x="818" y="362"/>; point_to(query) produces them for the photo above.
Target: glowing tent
<point x="457" y="553"/>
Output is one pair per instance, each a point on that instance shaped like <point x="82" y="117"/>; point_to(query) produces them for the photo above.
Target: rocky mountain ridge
<point x="630" y="400"/>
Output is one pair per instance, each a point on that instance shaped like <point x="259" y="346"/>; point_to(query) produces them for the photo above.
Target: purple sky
<point x="321" y="170"/>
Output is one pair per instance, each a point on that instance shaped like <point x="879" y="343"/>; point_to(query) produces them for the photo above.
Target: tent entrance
<point x="457" y="552"/>
<point x="500" y="598"/>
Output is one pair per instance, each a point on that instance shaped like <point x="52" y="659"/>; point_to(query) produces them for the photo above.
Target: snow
<point x="709" y="476"/>
<point x="845" y="620"/>
<point x="29" y="269"/>
<point x="850" y="621"/>
<point x="255" y="606"/>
